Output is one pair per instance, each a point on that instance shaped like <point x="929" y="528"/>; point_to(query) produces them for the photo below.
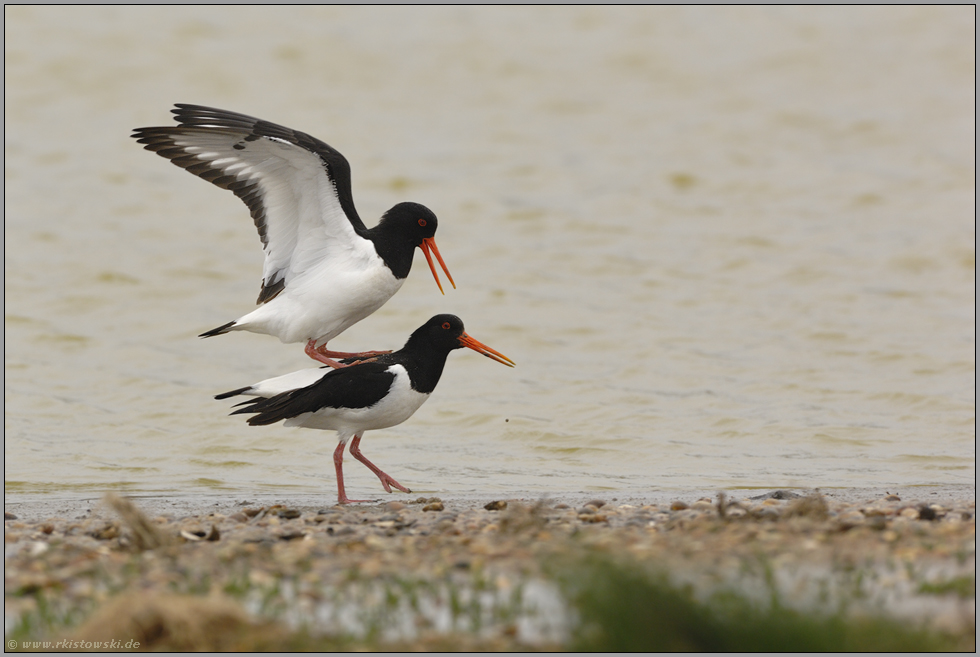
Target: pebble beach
<point x="479" y="571"/>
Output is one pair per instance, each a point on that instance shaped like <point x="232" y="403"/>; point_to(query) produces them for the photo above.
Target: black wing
<point x="358" y="386"/>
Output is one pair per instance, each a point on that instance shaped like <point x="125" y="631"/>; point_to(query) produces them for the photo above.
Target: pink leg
<point x="312" y="352"/>
<point x="338" y="462"/>
<point x="323" y="355"/>
<point x="350" y="354"/>
<point x="355" y="450"/>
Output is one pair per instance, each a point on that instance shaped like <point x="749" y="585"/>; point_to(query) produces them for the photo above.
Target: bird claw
<point x="386" y="480"/>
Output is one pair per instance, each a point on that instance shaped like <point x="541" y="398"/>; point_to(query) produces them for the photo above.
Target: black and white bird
<point x="375" y="394"/>
<point x="324" y="269"/>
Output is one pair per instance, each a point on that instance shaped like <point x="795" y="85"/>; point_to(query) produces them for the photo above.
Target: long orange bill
<point x="478" y="346"/>
<point x="430" y="243"/>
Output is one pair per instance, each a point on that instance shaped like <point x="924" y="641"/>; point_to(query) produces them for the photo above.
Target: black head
<point x="401" y="229"/>
<point x="443" y="333"/>
<point x="412" y="222"/>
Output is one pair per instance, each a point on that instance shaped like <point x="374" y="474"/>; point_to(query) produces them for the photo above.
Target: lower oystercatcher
<point x="374" y="394"/>
<point x="324" y="269"/>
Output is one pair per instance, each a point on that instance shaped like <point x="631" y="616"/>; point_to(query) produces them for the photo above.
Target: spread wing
<point x="296" y="187"/>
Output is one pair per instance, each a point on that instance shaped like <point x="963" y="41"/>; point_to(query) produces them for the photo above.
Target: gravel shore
<point x="909" y="553"/>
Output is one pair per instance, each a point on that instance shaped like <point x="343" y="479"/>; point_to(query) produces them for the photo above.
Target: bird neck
<point x="396" y="254"/>
<point x="425" y="367"/>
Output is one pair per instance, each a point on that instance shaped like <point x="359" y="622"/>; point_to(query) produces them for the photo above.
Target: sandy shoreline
<point x="42" y="507"/>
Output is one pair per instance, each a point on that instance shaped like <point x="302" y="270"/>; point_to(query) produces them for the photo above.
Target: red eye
<point x="445" y="325"/>
<point x="421" y="222"/>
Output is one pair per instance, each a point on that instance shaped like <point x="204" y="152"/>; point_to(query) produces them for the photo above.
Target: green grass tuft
<point x="963" y="587"/>
<point x="624" y="608"/>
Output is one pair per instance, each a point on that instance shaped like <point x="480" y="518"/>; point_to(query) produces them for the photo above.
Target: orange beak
<point x="430" y="243"/>
<point x="478" y="346"/>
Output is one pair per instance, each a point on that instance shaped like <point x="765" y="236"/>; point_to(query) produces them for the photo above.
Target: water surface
<point x="727" y="247"/>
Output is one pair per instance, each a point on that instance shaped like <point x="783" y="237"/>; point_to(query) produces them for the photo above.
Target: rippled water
<point x="727" y="247"/>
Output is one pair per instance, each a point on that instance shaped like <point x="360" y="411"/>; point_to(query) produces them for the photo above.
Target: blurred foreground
<point x="780" y="571"/>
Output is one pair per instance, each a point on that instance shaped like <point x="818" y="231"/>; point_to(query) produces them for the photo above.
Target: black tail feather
<point x="232" y="393"/>
<point x="267" y="410"/>
<point x="254" y="405"/>
<point x="224" y="328"/>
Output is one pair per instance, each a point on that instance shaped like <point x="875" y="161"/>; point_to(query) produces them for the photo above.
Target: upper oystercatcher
<point x="324" y="269"/>
<point x="377" y="394"/>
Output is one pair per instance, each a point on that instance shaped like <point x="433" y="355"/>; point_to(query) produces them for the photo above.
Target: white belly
<point x="324" y="303"/>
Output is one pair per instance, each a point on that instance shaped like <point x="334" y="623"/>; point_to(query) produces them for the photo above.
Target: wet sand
<point x="43" y="507"/>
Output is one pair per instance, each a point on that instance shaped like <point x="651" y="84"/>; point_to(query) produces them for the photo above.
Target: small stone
<point x="891" y="497"/>
<point x="107" y="532"/>
<point x="877" y="522"/>
<point x="251" y="512"/>
<point x="434" y="506"/>
<point x="37" y="548"/>
<point x="593" y="517"/>
<point x="47" y="528"/>
<point x="909" y="512"/>
<point x="596" y="503"/>
<point x="9" y="516"/>
<point x="587" y="510"/>
<point x="238" y="517"/>
<point x="777" y="495"/>
<point x="703" y="505"/>
<point x="498" y="505"/>
<point x="394" y="506"/>
<point x="926" y="512"/>
<point x="814" y="506"/>
<point x="678" y="506"/>
<point x="291" y="535"/>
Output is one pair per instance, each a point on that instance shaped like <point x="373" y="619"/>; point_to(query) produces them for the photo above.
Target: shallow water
<point x="727" y="247"/>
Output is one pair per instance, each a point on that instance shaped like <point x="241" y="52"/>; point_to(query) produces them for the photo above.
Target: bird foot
<point x="345" y="500"/>
<point x="388" y="482"/>
<point x="325" y="356"/>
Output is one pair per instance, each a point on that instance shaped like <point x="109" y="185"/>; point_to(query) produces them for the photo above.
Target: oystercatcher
<point x="374" y="394"/>
<point x="324" y="269"/>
